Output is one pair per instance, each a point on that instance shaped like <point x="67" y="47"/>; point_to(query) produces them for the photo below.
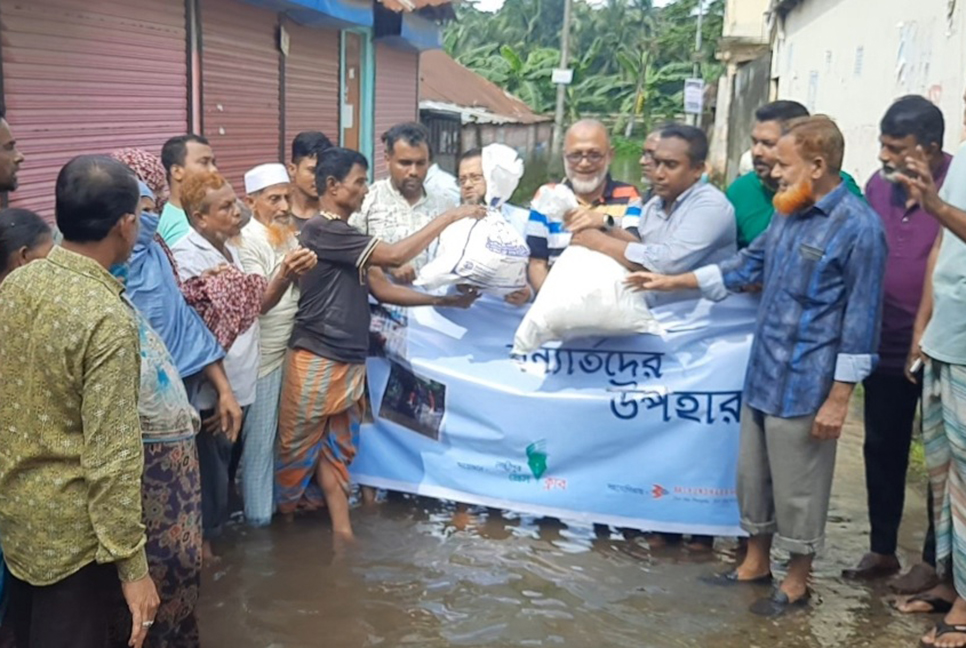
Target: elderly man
<point x="305" y="157"/>
<point x="821" y="264"/>
<point x="890" y="399"/>
<point x="603" y="201"/>
<point x="71" y="457"/>
<point x="939" y="340"/>
<point x="399" y="206"/>
<point x="685" y="225"/>
<point x="472" y="185"/>
<point x="269" y="247"/>
<point x="752" y="193"/>
<point x="180" y="156"/>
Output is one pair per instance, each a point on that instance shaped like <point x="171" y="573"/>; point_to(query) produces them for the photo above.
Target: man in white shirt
<point x="398" y="206"/>
<point x="269" y="247"/>
<point x="441" y="183"/>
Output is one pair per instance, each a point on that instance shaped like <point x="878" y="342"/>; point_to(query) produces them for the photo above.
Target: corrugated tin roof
<point x="444" y="81"/>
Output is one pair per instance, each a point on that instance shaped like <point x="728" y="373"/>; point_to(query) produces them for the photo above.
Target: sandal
<point x="938" y="605"/>
<point x="942" y="628"/>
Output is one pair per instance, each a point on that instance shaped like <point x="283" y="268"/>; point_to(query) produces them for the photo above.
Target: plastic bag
<point x="584" y="295"/>
<point x="488" y="253"/>
<point x="554" y="201"/>
<point x="502" y="169"/>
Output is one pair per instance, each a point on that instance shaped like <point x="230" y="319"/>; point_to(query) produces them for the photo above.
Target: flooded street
<point x="414" y="579"/>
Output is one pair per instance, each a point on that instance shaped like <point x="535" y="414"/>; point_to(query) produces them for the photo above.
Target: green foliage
<point x="629" y="58"/>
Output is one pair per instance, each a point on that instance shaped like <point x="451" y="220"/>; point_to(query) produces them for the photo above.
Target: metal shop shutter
<point x="90" y="77"/>
<point x="240" y="77"/>
<point x="397" y="95"/>
<point x="311" y="83"/>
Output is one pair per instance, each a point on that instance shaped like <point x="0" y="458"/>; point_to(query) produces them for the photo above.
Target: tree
<point x="630" y="59"/>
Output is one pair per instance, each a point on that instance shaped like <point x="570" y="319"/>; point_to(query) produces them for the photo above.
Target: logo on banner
<point x="658" y="491"/>
<point x="537" y="458"/>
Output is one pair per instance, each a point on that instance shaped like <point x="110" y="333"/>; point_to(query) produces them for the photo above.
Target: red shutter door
<point x="397" y="97"/>
<point x="239" y="69"/>
<point x="90" y="77"/>
<point x="311" y="82"/>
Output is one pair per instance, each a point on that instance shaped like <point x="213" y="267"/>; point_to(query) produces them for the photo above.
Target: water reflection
<point x="427" y="573"/>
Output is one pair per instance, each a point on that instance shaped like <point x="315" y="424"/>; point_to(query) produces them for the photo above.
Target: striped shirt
<point x="547" y="237"/>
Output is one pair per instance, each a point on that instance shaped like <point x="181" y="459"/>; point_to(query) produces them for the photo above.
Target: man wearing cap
<point x="269" y="247"/>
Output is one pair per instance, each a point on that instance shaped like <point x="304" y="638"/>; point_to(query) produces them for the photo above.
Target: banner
<point x="637" y="432"/>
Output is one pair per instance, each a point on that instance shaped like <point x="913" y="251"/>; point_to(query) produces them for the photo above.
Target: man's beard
<point x="890" y="173"/>
<point x="799" y="196"/>
<point x="280" y="233"/>
<point x="585" y="186"/>
<point x="582" y="187"/>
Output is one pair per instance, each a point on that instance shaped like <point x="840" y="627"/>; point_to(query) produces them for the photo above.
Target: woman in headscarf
<point x="148" y="168"/>
<point x="171" y="485"/>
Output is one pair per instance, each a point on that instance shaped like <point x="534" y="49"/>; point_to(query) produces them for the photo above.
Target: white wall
<point x="745" y="19"/>
<point x="850" y="59"/>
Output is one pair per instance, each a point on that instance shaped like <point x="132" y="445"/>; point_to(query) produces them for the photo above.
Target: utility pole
<point x="698" y="44"/>
<point x="558" y="117"/>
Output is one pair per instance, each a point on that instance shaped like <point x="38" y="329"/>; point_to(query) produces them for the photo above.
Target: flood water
<point x="414" y="579"/>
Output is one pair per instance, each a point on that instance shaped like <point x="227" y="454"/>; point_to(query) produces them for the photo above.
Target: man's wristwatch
<point x="609" y="221"/>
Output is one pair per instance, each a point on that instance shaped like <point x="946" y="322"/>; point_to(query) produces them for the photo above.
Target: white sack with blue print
<point x="489" y="253"/>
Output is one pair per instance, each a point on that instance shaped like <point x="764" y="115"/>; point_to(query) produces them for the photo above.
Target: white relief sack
<point x="488" y="253"/>
<point x="584" y="295"/>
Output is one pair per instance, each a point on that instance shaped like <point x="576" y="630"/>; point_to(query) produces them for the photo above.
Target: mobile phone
<point x="916" y="366"/>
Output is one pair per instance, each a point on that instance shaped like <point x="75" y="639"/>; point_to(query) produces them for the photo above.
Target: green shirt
<point x="752" y="201"/>
<point x="173" y="224"/>
<point x="71" y="457"/>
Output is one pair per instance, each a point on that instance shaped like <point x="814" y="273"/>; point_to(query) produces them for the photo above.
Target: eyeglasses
<point x="473" y="177"/>
<point x="594" y="157"/>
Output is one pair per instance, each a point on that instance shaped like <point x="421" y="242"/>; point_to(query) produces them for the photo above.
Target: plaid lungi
<point x="321" y="408"/>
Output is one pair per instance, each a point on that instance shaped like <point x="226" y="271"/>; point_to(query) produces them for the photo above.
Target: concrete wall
<point x="752" y="84"/>
<point x="851" y="58"/>
<point x="745" y="19"/>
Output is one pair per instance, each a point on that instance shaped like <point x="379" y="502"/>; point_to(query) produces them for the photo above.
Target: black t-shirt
<point x="333" y="316"/>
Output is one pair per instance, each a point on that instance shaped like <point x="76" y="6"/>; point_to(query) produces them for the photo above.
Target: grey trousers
<point x="784" y="480"/>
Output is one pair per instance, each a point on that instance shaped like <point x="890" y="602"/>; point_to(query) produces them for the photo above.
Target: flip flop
<point x="778" y="604"/>
<point x="730" y="578"/>
<point x="938" y="605"/>
<point x="942" y="629"/>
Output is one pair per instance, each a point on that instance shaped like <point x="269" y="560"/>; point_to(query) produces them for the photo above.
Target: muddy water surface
<point x="415" y="579"/>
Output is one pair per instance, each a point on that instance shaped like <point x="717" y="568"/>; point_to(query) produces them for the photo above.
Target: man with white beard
<point x="587" y="157"/>
<point x="269" y="248"/>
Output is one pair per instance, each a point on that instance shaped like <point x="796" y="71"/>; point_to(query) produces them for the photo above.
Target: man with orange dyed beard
<point x="821" y="264"/>
<point x="269" y="248"/>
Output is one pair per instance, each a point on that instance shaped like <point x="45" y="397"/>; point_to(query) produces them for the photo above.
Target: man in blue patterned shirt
<point x="821" y="267"/>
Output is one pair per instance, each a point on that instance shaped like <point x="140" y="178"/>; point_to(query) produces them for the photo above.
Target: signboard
<point x="694" y="96"/>
<point x="563" y="77"/>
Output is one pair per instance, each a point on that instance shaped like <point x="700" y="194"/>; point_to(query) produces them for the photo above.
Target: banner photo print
<point x="638" y="431"/>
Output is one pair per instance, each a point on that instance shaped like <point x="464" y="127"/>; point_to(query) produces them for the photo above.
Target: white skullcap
<point x="265" y="175"/>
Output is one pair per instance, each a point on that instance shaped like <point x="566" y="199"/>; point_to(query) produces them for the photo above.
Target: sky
<point x="494" y="5"/>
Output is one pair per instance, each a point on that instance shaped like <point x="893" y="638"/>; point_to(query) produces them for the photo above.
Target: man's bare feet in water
<point x="951" y="632"/>
<point x="208" y="557"/>
<point x="918" y="579"/>
<point x="937" y="599"/>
